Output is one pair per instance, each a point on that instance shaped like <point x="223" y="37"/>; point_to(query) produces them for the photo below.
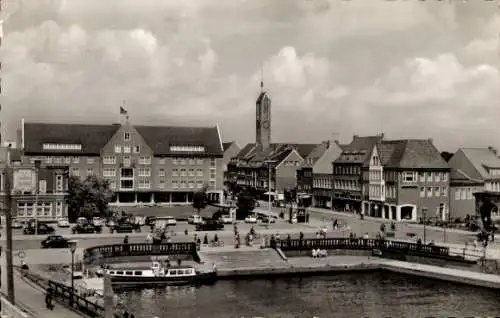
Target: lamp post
<point x="37" y="191"/>
<point x="269" y="162"/>
<point x="72" y="247"/>
<point x="424" y="213"/>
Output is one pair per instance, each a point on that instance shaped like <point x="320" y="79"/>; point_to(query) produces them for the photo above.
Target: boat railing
<point x="98" y="253"/>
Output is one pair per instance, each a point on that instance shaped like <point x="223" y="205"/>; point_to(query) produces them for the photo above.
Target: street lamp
<point x="72" y="247"/>
<point x="424" y="213"/>
<point x="269" y="162"/>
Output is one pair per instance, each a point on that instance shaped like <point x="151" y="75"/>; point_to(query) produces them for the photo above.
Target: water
<point x="382" y="294"/>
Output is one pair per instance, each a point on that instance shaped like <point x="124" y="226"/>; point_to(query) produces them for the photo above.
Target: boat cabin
<point x="157" y="270"/>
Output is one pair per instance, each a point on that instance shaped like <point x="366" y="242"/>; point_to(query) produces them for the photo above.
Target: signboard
<point x="24" y="180"/>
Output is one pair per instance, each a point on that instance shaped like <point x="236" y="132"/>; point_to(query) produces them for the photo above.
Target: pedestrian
<point x="125" y="239"/>
<point x="205" y="239"/>
<point x="48" y="299"/>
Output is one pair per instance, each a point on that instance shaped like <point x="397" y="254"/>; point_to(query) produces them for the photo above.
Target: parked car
<point x="226" y="219"/>
<point x="16" y="224"/>
<point x="195" y="219"/>
<point x="266" y="219"/>
<point x="171" y="220"/>
<point x="43" y="229"/>
<point x="122" y="228"/>
<point x="150" y="221"/>
<point x="97" y="221"/>
<point x="251" y="219"/>
<point x="85" y="229"/>
<point x="55" y="241"/>
<point x="63" y="222"/>
<point x="210" y="225"/>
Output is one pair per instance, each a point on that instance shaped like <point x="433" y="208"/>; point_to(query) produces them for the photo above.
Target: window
<point x="62" y="147"/>
<point x="183" y="172"/>
<point x="444" y="176"/>
<point x="162" y="183"/>
<point x="175" y="161"/>
<point x="59" y="183"/>
<point x="118" y="149"/>
<point x="109" y="160"/>
<point x="187" y="148"/>
<point x="437" y="192"/>
<point x="191" y="185"/>
<point x="211" y="184"/>
<point x="212" y="175"/>
<point x="191" y="172"/>
<point x="127" y="173"/>
<point x="144" y="172"/>
<point x="109" y="172"/>
<point x="76" y="160"/>
<point x="59" y="159"/>
<point x="463" y="194"/>
<point x="161" y="161"/>
<point x="183" y="161"/>
<point x="175" y="184"/>
<point x="144" y="184"/>
<point x="175" y="173"/>
<point x="126" y="184"/>
<point x="421" y="176"/>
<point x="444" y="191"/>
<point x="409" y="176"/>
<point x="90" y="171"/>
<point x="457" y="194"/>
<point x="145" y="160"/>
<point x="126" y="136"/>
<point x="183" y="184"/>
<point x="212" y="162"/>
<point x="199" y="184"/>
<point x="126" y="160"/>
<point x="191" y="161"/>
<point x="429" y="192"/>
<point x="75" y="172"/>
<point x="422" y="192"/>
<point x="67" y="160"/>
<point x="161" y="172"/>
<point x="437" y="177"/>
<point x="42" y="186"/>
<point x="429" y="177"/>
<point x="469" y="194"/>
<point x="137" y="149"/>
<point x="199" y="161"/>
<point x="59" y="209"/>
<point x="126" y="149"/>
<point x="199" y="172"/>
<point x="90" y="161"/>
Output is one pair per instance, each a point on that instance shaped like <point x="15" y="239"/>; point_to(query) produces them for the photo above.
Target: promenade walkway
<point x="31" y="298"/>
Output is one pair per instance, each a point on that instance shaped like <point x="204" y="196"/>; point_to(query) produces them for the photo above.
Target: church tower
<point x="263" y="120"/>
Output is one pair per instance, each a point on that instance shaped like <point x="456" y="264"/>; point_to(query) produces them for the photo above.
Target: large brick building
<point x="393" y="179"/>
<point x="143" y="163"/>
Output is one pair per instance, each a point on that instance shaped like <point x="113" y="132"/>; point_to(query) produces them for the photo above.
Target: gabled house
<point x="231" y="149"/>
<point x="251" y="168"/>
<point x="475" y="176"/>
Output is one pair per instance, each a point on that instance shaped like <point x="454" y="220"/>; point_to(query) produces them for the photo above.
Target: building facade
<point x="36" y="190"/>
<point x="144" y="164"/>
<point x="475" y="174"/>
<point x="393" y="179"/>
<point x="231" y="149"/>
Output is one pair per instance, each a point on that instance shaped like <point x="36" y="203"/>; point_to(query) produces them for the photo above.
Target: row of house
<point x="405" y="179"/>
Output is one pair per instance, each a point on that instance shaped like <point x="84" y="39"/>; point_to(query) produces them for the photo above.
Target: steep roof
<point x="458" y="177"/>
<point x="248" y="153"/>
<point x="226" y="145"/>
<point x="315" y="155"/>
<point x="94" y="137"/>
<point x="359" y="150"/>
<point x="411" y="154"/>
<point x="481" y="159"/>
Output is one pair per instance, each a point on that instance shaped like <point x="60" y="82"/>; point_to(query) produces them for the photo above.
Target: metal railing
<point x="93" y="254"/>
<point x="362" y="244"/>
<point x="65" y="294"/>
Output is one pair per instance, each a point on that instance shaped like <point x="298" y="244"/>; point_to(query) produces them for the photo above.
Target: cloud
<point x="343" y="66"/>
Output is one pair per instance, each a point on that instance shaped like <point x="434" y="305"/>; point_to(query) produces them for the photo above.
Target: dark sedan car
<point x="55" y="241"/>
<point x="210" y="225"/>
<point x="123" y="228"/>
<point x="85" y="229"/>
<point x="42" y="229"/>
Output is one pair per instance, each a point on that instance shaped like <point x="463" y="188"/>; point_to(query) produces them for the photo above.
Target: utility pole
<point x="8" y="232"/>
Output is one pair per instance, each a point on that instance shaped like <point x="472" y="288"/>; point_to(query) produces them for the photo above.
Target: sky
<point x="408" y="68"/>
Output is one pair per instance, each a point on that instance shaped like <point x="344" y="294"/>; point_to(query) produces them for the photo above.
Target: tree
<point x="245" y="204"/>
<point x="88" y="197"/>
<point x="446" y="155"/>
<point x="200" y="199"/>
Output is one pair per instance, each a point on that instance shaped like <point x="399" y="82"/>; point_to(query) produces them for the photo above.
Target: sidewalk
<point x="31" y="298"/>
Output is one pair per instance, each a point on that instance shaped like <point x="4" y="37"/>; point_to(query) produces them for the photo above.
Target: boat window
<point x="180" y="271"/>
<point x="173" y="272"/>
<point x="119" y="272"/>
<point x="190" y="271"/>
<point x="111" y="272"/>
<point x="138" y="273"/>
<point x="128" y="273"/>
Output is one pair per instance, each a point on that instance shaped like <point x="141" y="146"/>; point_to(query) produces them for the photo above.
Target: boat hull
<point x="147" y="282"/>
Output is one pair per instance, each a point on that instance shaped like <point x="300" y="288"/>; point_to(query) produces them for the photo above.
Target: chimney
<point x="19" y="139"/>
<point x="355" y="136"/>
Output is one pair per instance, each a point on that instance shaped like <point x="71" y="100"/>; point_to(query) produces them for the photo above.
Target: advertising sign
<point x="24" y="180"/>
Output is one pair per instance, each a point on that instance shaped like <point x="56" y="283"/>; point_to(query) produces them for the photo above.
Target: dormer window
<point x="126" y="136"/>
